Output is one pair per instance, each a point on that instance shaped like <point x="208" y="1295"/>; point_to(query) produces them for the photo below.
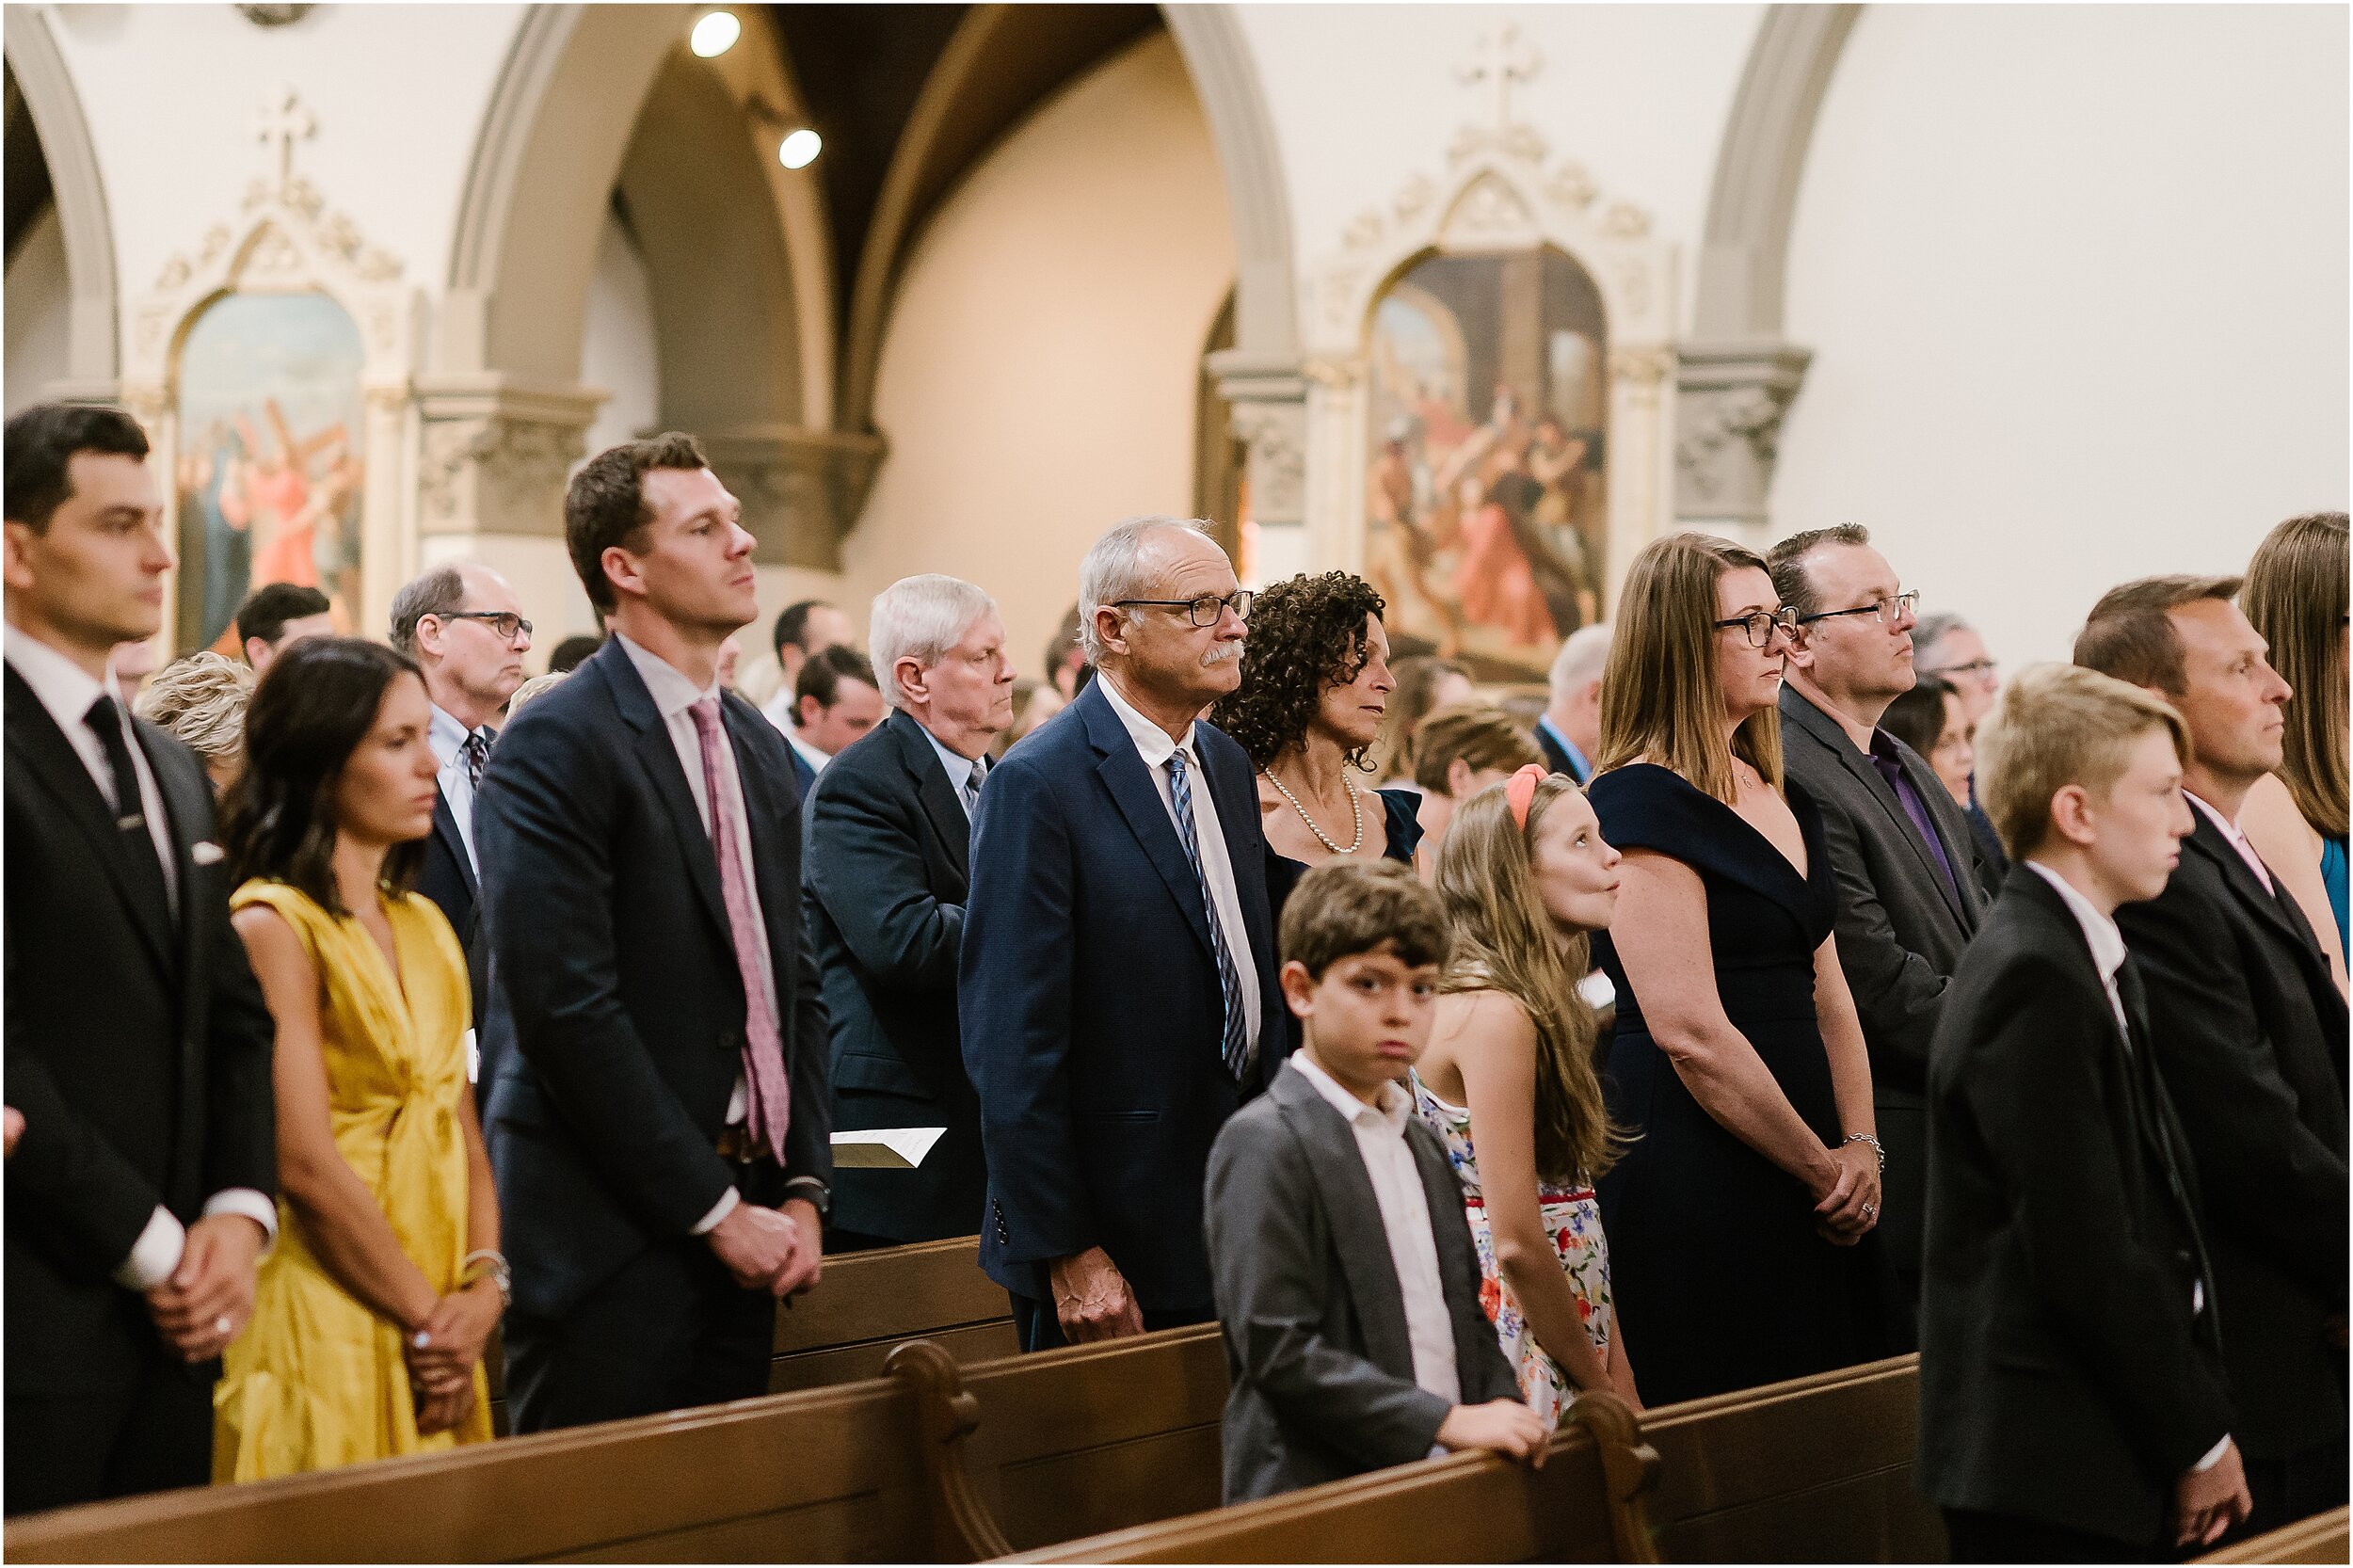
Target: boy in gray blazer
<point x="1346" y="1282"/>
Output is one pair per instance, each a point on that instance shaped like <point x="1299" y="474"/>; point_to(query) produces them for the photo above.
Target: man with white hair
<point x="1117" y="992"/>
<point x="1948" y="647"/>
<point x="1570" y="729"/>
<point x="884" y="876"/>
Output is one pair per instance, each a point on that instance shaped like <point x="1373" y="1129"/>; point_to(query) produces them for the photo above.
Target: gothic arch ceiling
<point x="25" y="176"/>
<point x="909" y="100"/>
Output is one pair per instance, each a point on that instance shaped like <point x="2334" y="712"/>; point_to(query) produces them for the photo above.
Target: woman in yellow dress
<point x="371" y="1314"/>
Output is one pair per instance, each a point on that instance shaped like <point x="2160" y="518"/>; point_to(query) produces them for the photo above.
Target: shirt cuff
<point x="2214" y="1456"/>
<point x="254" y="1205"/>
<point x="720" y="1210"/>
<point x="154" y="1254"/>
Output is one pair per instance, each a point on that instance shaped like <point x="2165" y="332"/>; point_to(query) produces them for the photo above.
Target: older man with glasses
<point x="1117" y="986"/>
<point x="1911" y="891"/>
<point x="465" y="629"/>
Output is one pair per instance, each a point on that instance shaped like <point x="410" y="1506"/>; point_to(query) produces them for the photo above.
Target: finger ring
<point x="1870" y="1211"/>
<point x="220" y="1325"/>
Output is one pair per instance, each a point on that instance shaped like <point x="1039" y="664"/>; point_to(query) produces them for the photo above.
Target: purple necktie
<point x="764" y="1053"/>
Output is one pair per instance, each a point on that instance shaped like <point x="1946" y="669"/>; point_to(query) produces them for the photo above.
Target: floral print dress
<point x="1572" y="1216"/>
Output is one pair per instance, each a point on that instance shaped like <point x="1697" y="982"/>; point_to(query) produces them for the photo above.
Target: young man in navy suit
<point x="1118" y="995"/>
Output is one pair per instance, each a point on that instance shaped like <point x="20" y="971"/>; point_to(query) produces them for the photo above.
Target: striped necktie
<point x="1235" y="1041"/>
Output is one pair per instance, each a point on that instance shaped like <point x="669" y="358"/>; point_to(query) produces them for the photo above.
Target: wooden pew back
<point x="869" y="1302"/>
<point x="2321" y="1538"/>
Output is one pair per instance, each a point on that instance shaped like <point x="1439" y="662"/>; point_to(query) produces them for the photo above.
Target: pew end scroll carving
<point x="963" y="1529"/>
<point x="1629" y="1465"/>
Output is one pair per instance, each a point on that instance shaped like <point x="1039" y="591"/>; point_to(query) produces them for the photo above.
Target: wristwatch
<point x="816" y="1192"/>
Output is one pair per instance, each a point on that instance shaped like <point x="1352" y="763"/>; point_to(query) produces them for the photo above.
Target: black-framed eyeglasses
<point x="505" y="623"/>
<point x="1760" y="625"/>
<point x="1203" y="610"/>
<point x="1890" y="609"/>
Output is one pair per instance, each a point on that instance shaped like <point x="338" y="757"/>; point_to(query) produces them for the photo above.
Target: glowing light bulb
<point x="800" y="148"/>
<point x="715" y="34"/>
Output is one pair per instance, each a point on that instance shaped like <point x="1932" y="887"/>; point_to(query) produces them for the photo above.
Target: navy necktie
<point x="1235" y="1043"/>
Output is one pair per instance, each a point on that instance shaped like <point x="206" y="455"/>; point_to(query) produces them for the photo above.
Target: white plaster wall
<point x="1038" y="373"/>
<point x="1364" y="96"/>
<point x="620" y="350"/>
<point x="38" y="305"/>
<point x="2075" y="282"/>
<point x="171" y="91"/>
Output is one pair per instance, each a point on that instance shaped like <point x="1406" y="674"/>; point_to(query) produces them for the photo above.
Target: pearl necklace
<point x="1355" y="804"/>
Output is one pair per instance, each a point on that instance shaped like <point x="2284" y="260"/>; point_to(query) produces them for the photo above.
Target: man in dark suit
<point x="2251" y="1034"/>
<point x="657" y="1115"/>
<point x="888" y="861"/>
<point x="276" y="614"/>
<point x="1910" y="891"/>
<point x="464" y="626"/>
<point x="140" y="1190"/>
<point x="2072" y="1401"/>
<point x="1948" y="647"/>
<point x="1117" y="995"/>
<point x="835" y="703"/>
<point x="1570" y="728"/>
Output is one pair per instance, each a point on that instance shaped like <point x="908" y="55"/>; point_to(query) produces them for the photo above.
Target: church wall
<point x="1038" y="374"/>
<point x="2075" y="280"/>
<point x="38" y="306"/>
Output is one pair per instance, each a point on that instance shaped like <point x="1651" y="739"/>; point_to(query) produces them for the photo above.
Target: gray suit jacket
<point x="1322" y="1372"/>
<point x="1901" y="931"/>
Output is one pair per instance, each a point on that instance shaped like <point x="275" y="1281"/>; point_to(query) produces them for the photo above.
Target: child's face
<point x="1367" y="1018"/>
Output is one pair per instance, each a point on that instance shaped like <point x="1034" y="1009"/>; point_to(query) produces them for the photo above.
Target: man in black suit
<point x="2251" y="1034"/>
<point x="656" y="1036"/>
<point x="2072" y="1401"/>
<point x="276" y="614"/>
<point x="888" y="861"/>
<point x="1570" y="728"/>
<point x="835" y="703"/>
<point x="464" y="626"/>
<point x="1910" y="891"/>
<point x="140" y="1190"/>
<point x="1116" y="996"/>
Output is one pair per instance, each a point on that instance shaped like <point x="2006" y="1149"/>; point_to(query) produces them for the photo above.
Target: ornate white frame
<point x="286" y="240"/>
<point x="1502" y="192"/>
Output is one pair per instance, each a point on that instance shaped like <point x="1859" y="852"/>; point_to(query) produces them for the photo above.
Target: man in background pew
<point x="140" y="1189"/>
<point x="1347" y="1283"/>
<point x="2073" y="1403"/>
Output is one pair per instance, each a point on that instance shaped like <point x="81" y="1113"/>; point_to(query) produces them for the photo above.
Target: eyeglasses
<point x="1974" y="668"/>
<point x="1761" y="624"/>
<point x="1890" y="609"/>
<point x="1203" y="610"/>
<point x="505" y="623"/>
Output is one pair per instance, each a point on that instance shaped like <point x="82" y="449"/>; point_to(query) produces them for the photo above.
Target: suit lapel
<point x="2252" y="895"/>
<point x="187" y="801"/>
<point x="768" y="816"/>
<point x="935" y="794"/>
<point x="1245" y="852"/>
<point x="1133" y="789"/>
<point x="52" y="759"/>
<point x="1825" y="730"/>
<point x="1359" y="1239"/>
<point x="660" y="758"/>
<point x="454" y="842"/>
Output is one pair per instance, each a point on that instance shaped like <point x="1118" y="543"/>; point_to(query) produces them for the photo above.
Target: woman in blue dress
<point x="1315" y="683"/>
<point x="1740" y="1216"/>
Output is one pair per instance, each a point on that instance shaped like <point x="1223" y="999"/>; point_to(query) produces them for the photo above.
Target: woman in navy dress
<point x="1315" y="683"/>
<point x="1740" y="1216"/>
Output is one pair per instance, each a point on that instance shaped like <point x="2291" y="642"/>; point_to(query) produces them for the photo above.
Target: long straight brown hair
<point x="2296" y="596"/>
<point x="1660" y="694"/>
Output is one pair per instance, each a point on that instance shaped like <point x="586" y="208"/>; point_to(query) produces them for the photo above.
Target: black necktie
<point x="475" y="754"/>
<point x="137" y="845"/>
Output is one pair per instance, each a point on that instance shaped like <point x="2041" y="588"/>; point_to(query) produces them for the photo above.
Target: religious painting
<point x="272" y="459"/>
<point x="1486" y="514"/>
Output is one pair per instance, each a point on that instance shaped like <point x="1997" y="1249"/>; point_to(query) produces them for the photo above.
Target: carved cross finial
<point x="283" y="120"/>
<point x="1498" y="59"/>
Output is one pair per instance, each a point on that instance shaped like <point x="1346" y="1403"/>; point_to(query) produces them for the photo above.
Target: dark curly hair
<point x="1307" y="636"/>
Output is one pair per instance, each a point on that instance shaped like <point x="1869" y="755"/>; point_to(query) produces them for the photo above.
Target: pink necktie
<point x="764" y="1053"/>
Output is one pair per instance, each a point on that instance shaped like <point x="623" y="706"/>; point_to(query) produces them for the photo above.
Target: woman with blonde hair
<point x="201" y="699"/>
<point x="1506" y="1080"/>
<point x="2296" y="595"/>
<point x="1736" y="1066"/>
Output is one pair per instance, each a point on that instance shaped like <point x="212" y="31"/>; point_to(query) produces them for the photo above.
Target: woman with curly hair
<point x="1315" y="683"/>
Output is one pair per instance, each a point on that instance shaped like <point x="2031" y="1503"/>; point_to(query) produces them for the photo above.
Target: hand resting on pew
<point x="2209" y="1502"/>
<point x="1500" y="1426"/>
<point x="1092" y="1297"/>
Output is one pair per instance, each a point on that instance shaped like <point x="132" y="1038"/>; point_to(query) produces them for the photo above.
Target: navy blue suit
<point x="615" y="1036"/>
<point x="803" y="774"/>
<point x="447" y="877"/>
<point x="1090" y="1007"/>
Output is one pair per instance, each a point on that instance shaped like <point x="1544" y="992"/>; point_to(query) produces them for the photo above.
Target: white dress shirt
<point x="781" y="710"/>
<point x="778" y="709"/>
<point x="2107" y="954"/>
<point x="959" y="768"/>
<point x="673" y="695"/>
<point x="1405" y="1216"/>
<point x="1217" y="867"/>
<point x="809" y="754"/>
<point x="447" y="737"/>
<point x="2238" y="841"/>
<point x="67" y="691"/>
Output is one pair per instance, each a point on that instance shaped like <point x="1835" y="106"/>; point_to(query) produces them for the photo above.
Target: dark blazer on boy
<point x="2249" y="1031"/>
<point x="1316" y="1342"/>
<point x="2069" y="1360"/>
<point x="886" y="861"/>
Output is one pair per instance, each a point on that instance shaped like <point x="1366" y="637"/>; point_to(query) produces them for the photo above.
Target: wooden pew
<point x="882" y="1469"/>
<point x="1815" y="1470"/>
<point x="2321" y="1538"/>
<point x="867" y="1303"/>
